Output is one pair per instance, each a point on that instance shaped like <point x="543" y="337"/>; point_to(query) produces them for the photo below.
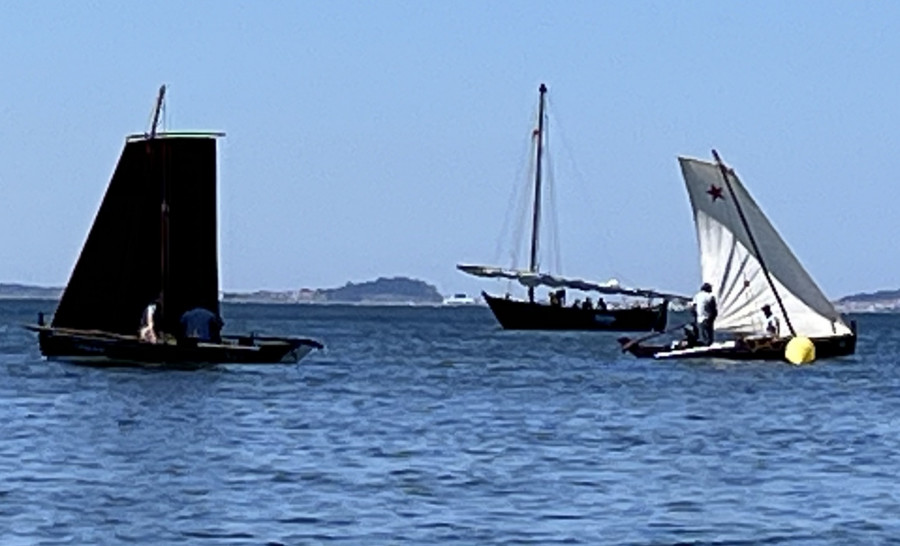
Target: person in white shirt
<point x="148" y="326"/>
<point x="705" y="313"/>
<point x="773" y="327"/>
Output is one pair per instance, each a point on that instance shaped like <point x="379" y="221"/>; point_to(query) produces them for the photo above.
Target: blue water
<point x="433" y="426"/>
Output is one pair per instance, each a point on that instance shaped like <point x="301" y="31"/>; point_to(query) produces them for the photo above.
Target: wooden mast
<point x="724" y="170"/>
<point x="163" y="214"/>
<point x="157" y="109"/>
<point x="536" y="211"/>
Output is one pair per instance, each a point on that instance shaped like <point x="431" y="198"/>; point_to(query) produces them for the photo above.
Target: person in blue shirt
<point x="201" y="325"/>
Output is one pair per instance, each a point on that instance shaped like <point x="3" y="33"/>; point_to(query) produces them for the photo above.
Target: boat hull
<point x="750" y="349"/>
<point x="112" y="350"/>
<point x="526" y="315"/>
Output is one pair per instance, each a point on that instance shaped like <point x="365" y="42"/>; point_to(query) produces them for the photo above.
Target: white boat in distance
<point x="459" y="299"/>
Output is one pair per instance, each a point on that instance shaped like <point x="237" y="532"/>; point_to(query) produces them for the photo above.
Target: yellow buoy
<point x="800" y="350"/>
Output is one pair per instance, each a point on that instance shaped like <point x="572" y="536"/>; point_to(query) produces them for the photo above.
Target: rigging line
<point x="520" y="242"/>
<point x="551" y="224"/>
<point x="512" y="209"/>
<point x="552" y="216"/>
<point x="587" y="195"/>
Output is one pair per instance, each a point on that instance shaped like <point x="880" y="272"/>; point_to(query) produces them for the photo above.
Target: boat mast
<point x="163" y="213"/>
<point x="157" y="109"/>
<point x="536" y="212"/>
<point x="724" y="170"/>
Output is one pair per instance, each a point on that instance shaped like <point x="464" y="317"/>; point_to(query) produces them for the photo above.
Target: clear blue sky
<point x="384" y="138"/>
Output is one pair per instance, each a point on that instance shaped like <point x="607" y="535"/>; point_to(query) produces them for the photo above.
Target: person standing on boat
<point x="201" y="324"/>
<point x="773" y="327"/>
<point x="148" y="323"/>
<point x="705" y="312"/>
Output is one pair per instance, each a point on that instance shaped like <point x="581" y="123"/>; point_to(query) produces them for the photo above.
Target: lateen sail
<point x="728" y="262"/>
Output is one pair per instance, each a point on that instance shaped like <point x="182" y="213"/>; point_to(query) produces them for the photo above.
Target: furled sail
<point x="730" y="265"/>
<point x="532" y="280"/>
<point x="132" y="255"/>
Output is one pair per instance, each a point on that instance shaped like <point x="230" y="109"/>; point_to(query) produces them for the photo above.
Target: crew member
<point x="705" y="313"/>
<point x="201" y="324"/>
<point x="773" y="327"/>
<point x="148" y="323"/>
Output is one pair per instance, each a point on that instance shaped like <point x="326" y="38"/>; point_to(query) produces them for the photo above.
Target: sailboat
<point x="154" y="238"/>
<point x="517" y="314"/>
<point x="750" y="267"/>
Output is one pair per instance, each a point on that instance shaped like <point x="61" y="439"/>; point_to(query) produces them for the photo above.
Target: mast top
<point x="156" y="110"/>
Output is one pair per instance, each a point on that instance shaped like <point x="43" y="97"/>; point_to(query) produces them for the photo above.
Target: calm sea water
<point x="433" y="426"/>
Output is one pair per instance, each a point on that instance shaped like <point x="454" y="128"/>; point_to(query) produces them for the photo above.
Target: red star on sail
<point x="715" y="192"/>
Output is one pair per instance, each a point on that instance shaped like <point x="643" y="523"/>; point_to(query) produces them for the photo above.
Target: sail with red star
<point x="729" y="263"/>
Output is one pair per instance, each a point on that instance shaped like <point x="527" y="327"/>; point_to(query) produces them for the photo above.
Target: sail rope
<point x="523" y="216"/>
<point x="552" y="216"/>
<point x="519" y="244"/>
<point x="520" y="205"/>
<point x="509" y="241"/>
<point x="585" y="193"/>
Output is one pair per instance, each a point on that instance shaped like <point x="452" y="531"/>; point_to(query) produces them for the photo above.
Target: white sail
<point x="531" y="279"/>
<point x="729" y="263"/>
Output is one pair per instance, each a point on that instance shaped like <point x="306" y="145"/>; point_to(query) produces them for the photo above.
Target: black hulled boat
<point x="745" y="348"/>
<point x="154" y="239"/>
<point x="515" y="314"/>
<point x="646" y="313"/>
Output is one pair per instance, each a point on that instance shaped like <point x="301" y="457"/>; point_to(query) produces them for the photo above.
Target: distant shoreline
<point x="401" y="291"/>
<point x="405" y="292"/>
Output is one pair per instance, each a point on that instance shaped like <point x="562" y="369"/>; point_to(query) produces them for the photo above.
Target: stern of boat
<point x="300" y="350"/>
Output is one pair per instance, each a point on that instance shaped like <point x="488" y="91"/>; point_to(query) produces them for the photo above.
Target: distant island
<point x="382" y="291"/>
<point x="881" y="301"/>
<point x="406" y="291"/>
<point x="26" y="292"/>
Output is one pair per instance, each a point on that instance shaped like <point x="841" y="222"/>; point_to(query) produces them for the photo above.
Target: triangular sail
<point x="122" y="266"/>
<point x="728" y="262"/>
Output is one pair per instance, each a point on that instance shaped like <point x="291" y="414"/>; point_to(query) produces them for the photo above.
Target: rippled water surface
<point x="433" y="426"/>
